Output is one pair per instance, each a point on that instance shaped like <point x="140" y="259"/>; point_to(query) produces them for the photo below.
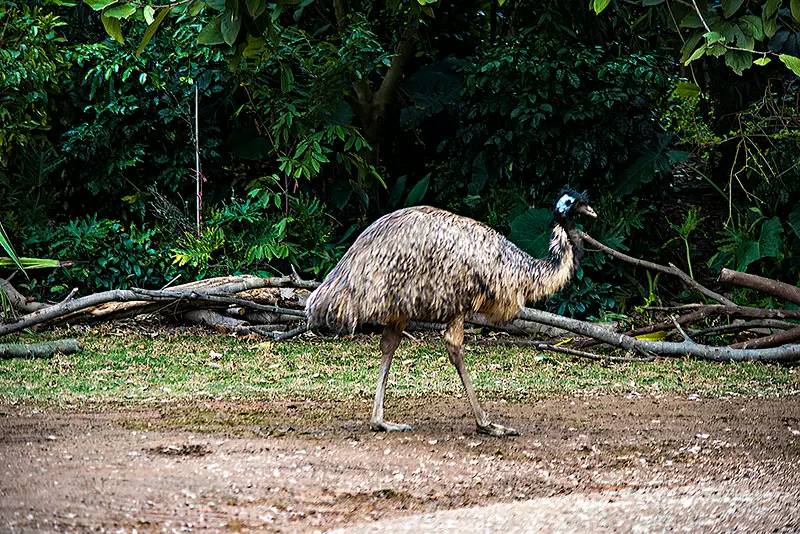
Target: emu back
<point x="427" y="264"/>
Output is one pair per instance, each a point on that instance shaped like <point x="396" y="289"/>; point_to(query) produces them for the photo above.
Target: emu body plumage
<point x="423" y="263"/>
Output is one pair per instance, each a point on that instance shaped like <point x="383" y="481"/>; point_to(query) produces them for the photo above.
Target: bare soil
<point x="645" y="463"/>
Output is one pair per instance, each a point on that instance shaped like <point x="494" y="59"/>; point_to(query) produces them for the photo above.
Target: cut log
<point x="39" y="350"/>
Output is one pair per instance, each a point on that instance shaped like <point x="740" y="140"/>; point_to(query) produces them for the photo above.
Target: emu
<point x="427" y="264"/>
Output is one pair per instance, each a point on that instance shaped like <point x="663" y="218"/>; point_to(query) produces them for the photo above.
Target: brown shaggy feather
<point x="423" y="263"/>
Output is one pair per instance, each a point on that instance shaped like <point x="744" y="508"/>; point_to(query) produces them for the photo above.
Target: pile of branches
<point x="273" y="307"/>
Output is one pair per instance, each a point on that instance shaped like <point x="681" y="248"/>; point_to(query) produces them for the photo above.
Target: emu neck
<point x="548" y="275"/>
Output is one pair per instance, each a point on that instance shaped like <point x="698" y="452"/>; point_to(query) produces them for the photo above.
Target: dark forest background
<point x="316" y="117"/>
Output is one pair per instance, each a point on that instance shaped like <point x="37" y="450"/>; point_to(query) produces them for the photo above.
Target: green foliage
<point x="690" y="223"/>
<point x="33" y="66"/>
<point x="541" y="114"/>
<point x="256" y="235"/>
<point x="743" y="33"/>
<point x="106" y="253"/>
<point x="754" y="237"/>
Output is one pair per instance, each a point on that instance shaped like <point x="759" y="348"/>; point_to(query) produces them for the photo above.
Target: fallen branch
<point x="39" y="350"/>
<point x="739" y="311"/>
<point x="688" y="280"/>
<point x="173" y="294"/>
<point x="772" y="340"/>
<point x="141" y="297"/>
<point x="739" y="326"/>
<point x="280" y="336"/>
<point x="565" y="350"/>
<point x="785" y="353"/>
<point x="759" y="283"/>
<point x="212" y="319"/>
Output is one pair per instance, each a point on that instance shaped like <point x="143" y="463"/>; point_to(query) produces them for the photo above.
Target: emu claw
<point x="383" y="426"/>
<point x="499" y="431"/>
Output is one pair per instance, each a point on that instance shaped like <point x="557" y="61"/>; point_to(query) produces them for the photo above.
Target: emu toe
<point x="383" y="426"/>
<point x="499" y="431"/>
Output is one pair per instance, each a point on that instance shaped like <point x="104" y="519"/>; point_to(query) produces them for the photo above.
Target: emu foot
<point x="383" y="426"/>
<point x="499" y="431"/>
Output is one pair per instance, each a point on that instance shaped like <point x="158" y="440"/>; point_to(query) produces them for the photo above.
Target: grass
<point x="141" y="368"/>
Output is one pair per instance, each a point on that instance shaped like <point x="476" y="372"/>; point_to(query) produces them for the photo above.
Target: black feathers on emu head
<point x="570" y="203"/>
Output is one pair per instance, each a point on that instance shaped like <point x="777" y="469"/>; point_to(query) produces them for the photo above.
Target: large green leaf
<point x="97" y="5"/>
<point x="771" y="8"/>
<point x="151" y="29"/>
<point x="792" y="62"/>
<point x="738" y="61"/>
<point x="211" y="34"/>
<point x="654" y="158"/>
<point x="770" y="242"/>
<point x="755" y="25"/>
<point x="729" y="7"/>
<point x="397" y="192"/>
<point x="687" y="90"/>
<point x="795" y="7"/>
<point x="598" y="5"/>
<point x="120" y="11"/>
<point x="418" y="192"/>
<point x="219" y="5"/>
<point x="256" y="7"/>
<point x="112" y="27"/>
<point x="746" y="253"/>
<point x="690" y="45"/>
<point x="531" y="231"/>
<point x="230" y="25"/>
<point x="340" y="193"/>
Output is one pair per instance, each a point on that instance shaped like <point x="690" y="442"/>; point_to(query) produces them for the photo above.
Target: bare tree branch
<point x="773" y="340"/>
<point x="689" y="281"/>
<point x="760" y="283"/>
<point x="204" y="290"/>
<point x="785" y="353"/>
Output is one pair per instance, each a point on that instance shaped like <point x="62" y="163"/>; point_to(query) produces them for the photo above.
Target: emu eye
<point x="568" y="202"/>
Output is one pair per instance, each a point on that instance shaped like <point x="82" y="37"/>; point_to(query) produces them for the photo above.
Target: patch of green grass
<point x="151" y="368"/>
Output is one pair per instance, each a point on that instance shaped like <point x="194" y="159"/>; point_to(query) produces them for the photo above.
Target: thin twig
<point x="70" y="296"/>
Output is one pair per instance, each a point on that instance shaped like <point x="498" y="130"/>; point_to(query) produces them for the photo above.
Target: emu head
<point x="571" y="203"/>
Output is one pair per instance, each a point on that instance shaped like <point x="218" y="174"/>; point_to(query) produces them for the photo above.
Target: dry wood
<point x="785" y="353"/>
<point x="213" y="290"/>
<point x="39" y="350"/>
<point x="214" y="320"/>
<point x="739" y="311"/>
<point x="740" y="326"/>
<point x="772" y="340"/>
<point x="224" y="285"/>
<point x="760" y="283"/>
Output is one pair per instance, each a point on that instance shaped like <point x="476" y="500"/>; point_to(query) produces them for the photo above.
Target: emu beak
<point x="586" y="209"/>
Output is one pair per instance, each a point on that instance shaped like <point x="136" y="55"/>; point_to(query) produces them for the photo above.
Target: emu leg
<point x="454" y="341"/>
<point x="389" y="342"/>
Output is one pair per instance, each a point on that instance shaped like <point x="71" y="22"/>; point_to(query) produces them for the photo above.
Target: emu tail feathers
<point x="330" y="307"/>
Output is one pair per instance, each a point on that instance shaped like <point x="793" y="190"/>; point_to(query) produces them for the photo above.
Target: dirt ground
<point x="639" y="464"/>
